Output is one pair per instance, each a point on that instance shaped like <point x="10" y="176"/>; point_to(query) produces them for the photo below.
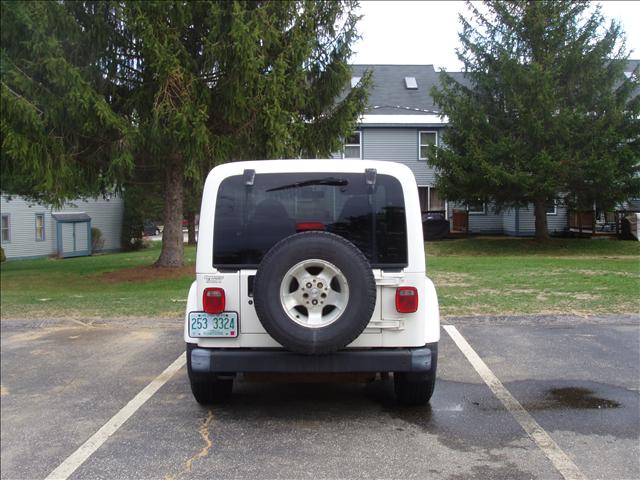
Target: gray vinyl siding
<point x="558" y="223"/>
<point x="527" y="221"/>
<point x="510" y="218"/>
<point x="106" y="214"/>
<point x="398" y="144"/>
<point x="487" y="223"/>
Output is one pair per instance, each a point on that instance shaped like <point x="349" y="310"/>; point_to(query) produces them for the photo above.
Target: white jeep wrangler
<point x="311" y="266"/>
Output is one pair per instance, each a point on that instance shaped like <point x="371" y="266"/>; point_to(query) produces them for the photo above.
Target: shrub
<point x="97" y="242"/>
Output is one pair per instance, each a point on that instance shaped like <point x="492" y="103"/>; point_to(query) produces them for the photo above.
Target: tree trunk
<point x="540" y="209"/>
<point x="191" y="218"/>
<point x="172" y="239"/>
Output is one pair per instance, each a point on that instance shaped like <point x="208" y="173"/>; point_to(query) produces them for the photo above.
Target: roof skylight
<point x="411" y="83"/>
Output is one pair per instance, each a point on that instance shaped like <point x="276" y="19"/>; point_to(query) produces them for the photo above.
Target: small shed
<point x="73" y="233"/>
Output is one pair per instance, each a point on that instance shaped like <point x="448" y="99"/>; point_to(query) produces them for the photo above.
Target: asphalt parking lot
<point x="577" y="379"/>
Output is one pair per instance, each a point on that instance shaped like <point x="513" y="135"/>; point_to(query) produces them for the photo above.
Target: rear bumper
<point x="211" y="360"/>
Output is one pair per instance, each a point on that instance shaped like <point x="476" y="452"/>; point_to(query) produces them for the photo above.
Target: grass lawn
<point x="501" y="276"/>
<point x="473" y="276"/>
<point x="106" y="286"/>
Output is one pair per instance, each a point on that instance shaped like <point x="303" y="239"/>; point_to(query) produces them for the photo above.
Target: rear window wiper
<point x="332" y="181"/>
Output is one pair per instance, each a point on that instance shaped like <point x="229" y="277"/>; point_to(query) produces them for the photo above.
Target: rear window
<point x="250" y="219"/>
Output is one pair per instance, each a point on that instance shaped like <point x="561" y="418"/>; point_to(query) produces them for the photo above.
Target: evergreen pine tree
<point x="194" y="84"/>
<point x="544" y="111"/>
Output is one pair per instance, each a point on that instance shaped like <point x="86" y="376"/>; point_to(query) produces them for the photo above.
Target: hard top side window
<point x="250" y="219"/>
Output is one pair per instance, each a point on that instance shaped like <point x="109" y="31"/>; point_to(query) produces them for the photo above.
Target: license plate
<point x="202" y="324"/>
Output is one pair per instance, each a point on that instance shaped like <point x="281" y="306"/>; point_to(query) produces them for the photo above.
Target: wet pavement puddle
<point x="574" y="397"/>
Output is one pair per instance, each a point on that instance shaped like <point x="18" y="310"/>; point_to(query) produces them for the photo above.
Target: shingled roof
<point x="390" y="95"/>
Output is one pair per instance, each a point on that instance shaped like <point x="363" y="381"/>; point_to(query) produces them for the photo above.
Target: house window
<point x="552" y="208"/>
<point x="39" y="227"/>
<point x="477" y="208"/>
<point x="427" y="139"/>
<point x="355" y="81"/>
<point x="6" y="229"/>
<point x="430" y="200"/>
<point x="435" y="201"/>
<point x="352" y="146"/>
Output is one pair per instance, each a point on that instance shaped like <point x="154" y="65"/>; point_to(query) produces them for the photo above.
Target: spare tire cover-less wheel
<point x="314" y="292"/>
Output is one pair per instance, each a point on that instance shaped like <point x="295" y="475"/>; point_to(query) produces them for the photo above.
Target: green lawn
<point x="519" y="276"/>
<point x="83" y="288"/>
<point x="473" y="276"/>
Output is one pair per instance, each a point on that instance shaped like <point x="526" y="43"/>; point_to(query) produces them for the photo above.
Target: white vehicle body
<point x="387" y="328"/>
<point x="311" y="266"/>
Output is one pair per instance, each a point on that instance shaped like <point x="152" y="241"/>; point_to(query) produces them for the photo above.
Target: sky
<point x="426" y="32"/>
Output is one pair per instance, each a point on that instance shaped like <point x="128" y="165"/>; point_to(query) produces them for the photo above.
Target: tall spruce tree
<point x="202" y="83"/>
<point x="60" y="137"/>
<point x="543" y="112"/>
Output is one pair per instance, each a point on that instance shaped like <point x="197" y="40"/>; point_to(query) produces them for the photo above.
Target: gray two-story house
<point x="399" y="124"/>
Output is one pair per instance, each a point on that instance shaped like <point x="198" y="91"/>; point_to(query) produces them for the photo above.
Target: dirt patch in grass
<point x="147" y="274"/>
<point x="450" y="279"/>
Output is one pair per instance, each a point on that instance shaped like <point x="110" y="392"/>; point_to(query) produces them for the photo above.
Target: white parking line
<point x="77" y="458"/>
<point x="549" y="447"/>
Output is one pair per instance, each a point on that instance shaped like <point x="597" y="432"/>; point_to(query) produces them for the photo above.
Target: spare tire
<point x="314" y="292"/>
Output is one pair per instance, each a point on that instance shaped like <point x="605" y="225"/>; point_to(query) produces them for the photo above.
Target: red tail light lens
<point x="407" y="299"/>
<point x="307" y="226"/>
<point x="213" y="300"/>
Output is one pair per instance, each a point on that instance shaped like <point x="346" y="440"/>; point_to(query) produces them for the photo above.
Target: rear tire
<point x="207" y="392"/>
<point x="208" y="389"/>
<point x="413" y="391"/>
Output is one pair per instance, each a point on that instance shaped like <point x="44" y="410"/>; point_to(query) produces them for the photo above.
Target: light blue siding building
<point x="31" y="230"/>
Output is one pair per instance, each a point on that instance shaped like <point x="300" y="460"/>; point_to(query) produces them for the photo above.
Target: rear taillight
<point x="309" y="226"/>
<point x="407" y="299"/>
<point x="213" y="300"/>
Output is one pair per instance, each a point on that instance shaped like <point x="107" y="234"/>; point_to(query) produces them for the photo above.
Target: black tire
<point x="413" y="389"/>
<point x="208" y="392"/>
<point x="355" y="270"/>
<point x="208" y="389"/>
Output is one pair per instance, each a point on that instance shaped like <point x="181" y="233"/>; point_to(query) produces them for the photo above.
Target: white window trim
<point x="44" y="229"/>
<point x="478" y="212"/>
<point x="420" y="132"/>
<point x="555" y="209"/>
<point x="359" y="145"/>
<point x="8" y="240"/>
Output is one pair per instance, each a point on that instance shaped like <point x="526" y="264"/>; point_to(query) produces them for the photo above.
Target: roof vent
<point x="355" y="81"/>
<point x="411" y="83"/>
